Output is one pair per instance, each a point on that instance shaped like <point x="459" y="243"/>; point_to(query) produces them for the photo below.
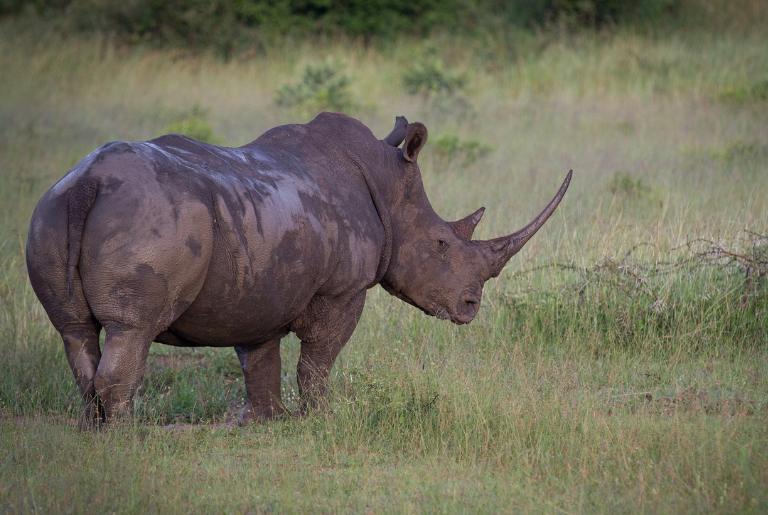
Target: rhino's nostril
<point x="471" y="302"/>
<point x="467" y="309"/>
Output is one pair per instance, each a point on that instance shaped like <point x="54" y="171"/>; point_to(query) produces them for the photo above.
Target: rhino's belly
<point x="259" y="315"/>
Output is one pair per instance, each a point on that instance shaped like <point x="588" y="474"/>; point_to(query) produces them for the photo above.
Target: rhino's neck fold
<point x="384" y="216"/>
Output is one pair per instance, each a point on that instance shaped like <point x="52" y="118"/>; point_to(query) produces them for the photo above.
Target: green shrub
<point x="449" y="148"/>
<point x="220" y="23"/>
<point x="741" y="151"/>
<point x="430" y="76"/>
<point x="195" y="125"/>
<point x="741" y="158"/>
<point x="383" y="18"/>
<point x="624" y="184"/>
<point x="322" y="87"/>
<point x="635" y="195"/>
<point x="756" y="91"/>
<point x="572" y="13"/>
<point x="226" y="24"/>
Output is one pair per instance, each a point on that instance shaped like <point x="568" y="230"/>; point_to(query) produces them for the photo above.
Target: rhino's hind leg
<point x="81" y="344"/>
<point x="261" y="368"/>
<point x="121" y="369"/>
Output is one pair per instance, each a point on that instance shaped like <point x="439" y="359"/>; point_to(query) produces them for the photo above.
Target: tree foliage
<point x="225" y="23"/>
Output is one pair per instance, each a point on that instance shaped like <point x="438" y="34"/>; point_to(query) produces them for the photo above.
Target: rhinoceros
<point x="181" y="242"/>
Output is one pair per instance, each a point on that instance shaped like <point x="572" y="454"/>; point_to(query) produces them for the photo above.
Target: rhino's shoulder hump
<point x="178" y="142"/>
<point x="114" y="147"/>
<point x="340" y="130"/>
<point x="338" y="122"/>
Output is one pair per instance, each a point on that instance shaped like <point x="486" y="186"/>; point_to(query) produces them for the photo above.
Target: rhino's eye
<point x="442" y="245"/>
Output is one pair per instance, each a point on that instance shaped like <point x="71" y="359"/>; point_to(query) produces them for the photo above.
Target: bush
<point x="190" y="23"/>
<point x="225" y="24"/>
<point x="322" y="87"/>
<point x="451" y="148"/>
<point x="585" y="13"/>
<point x="429" y="76"/>
<point x="625" y="185"/>
<point x="742" y="151"/>
<point x="753" y="92"/>
<point x="195" y="125"/>
<point x="449" y="152"/>
<point x="634" y="193"/>
<point x="221" y="23"/>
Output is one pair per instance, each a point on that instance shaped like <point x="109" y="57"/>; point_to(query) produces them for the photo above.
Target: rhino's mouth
<point x="438" y="312"/>
<point x="432" y="309"/>
<point x="441" y="313"/>
<point x="435" y="308"/>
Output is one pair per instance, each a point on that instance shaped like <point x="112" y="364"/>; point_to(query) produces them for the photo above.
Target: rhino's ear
<point x="415" y="138"/>
<point x="398" y="133"/>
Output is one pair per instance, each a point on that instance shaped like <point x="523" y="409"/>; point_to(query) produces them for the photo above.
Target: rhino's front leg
<point x="261" y="368"/>
<point x="324" y="329"/>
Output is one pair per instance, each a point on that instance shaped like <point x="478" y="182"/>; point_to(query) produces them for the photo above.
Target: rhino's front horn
<point x="501" y="249"/>
<point x="397" y="135"/>
<point x="466" y="226"/>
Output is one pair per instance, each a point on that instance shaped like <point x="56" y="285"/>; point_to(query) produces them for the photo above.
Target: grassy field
<point x="619" y="364"/>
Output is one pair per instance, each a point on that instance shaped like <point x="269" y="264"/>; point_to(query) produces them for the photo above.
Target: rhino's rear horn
<point x="500" y="250"/>
<point x="466" y="226"/>
<point x="397" y="135"/>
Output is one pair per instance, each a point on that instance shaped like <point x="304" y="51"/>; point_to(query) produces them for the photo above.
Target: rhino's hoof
<point x="249" y="415"/>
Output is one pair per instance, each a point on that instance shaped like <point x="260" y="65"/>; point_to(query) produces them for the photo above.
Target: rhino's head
<point x="436" y="265"/>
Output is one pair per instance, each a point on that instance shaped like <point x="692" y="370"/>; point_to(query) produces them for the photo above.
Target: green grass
<point x="589" y="382"/>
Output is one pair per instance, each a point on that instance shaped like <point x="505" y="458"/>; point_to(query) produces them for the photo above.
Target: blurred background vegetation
<point x="228" y="25"/>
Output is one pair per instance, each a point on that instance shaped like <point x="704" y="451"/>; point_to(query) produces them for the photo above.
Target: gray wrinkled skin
<point x="189" y="244"/>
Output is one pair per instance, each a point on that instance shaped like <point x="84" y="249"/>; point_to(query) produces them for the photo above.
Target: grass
<point x="593" y="380"/>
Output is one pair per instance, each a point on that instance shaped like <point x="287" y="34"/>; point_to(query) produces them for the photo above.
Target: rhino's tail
<point x="79" y="202"/>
